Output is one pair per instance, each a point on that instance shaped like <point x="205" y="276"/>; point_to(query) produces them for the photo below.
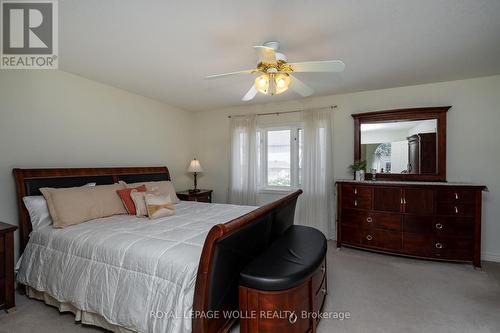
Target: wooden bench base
<point x="291" y="311"/>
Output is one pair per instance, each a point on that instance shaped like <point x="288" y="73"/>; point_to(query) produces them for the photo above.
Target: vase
<point x="360" y="175"/>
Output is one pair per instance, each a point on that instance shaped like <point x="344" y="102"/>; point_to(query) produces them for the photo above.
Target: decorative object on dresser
<point x="433" y="220"/>
<point x="7" y="299"/>
<point x="358" y="169"/>
<point x="200" y="195"/>
<point x="403" y="144"/>
<point x="195" y="168"/>
<point x="288" y="279"/>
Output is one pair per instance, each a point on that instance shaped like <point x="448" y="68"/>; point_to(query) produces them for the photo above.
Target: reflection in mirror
<point x="401" y="147"/>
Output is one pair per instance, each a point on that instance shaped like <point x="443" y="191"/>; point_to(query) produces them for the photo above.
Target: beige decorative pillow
<point x="140" y="203"/>
<point x="159" y="188"/>
<point x="159" y="205"/>
<point x="74" y="205"/>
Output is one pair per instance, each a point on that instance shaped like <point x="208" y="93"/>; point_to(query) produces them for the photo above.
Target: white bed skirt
<point x="85" y="317"/>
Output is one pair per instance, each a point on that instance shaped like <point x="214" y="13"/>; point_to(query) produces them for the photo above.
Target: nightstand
<point x="7" y="300"/>
<point x="200" y="196"/>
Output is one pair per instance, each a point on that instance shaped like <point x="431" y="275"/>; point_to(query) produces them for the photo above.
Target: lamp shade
<point x="195" y="166"/>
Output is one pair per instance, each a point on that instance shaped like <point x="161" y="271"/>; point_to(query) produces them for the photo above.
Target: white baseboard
<point x="488" y="256"/>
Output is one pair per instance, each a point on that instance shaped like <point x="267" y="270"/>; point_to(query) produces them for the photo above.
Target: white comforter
<point x="125" y="268"/>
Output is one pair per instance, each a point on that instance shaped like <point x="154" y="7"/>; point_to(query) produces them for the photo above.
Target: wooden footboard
<point x="228" y="248"/>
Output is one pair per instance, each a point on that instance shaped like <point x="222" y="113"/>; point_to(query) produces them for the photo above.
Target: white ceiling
<point x="163" y="49"/>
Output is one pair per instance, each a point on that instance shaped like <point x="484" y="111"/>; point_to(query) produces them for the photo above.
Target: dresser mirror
<point x="405" y="144"/>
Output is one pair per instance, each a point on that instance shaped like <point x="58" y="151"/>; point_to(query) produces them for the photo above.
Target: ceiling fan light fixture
<point x="277" y="75"/>
<point x="262" y="84"/>
<point x="281" y="81"/>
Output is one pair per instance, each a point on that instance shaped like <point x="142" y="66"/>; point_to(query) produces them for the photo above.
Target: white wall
<point x="56" y="119"/>
<point x="473" y="136"/>
<point x="429" y="126"/>
<point x="382" y="136"/>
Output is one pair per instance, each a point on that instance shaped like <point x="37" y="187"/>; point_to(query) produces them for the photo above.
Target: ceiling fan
<point x="275" y="72"/>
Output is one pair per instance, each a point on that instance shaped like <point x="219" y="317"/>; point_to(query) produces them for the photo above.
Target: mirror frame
<point x="438" y="113"/>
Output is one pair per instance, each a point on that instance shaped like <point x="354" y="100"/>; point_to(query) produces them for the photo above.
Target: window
<point x="280" y="157"/>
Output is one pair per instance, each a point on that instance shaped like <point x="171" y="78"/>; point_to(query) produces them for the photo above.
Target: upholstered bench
<point x="284" y="288"/>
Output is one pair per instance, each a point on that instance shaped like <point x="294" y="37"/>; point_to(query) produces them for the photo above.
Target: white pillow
<point x="38" y="211"/>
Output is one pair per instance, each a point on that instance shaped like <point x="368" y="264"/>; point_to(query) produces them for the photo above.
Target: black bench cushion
<point x="288" y="262"/>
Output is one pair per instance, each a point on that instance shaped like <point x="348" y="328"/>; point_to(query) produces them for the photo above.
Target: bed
<point x="123" y="273"/>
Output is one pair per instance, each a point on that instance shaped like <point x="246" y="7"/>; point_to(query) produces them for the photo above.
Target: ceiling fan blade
<point x="318" y="66"/>
<point x="300" y="87"/>
<point x="250" y="94"/>
<point x="216" y="76"/>
<point x="266" y="54"/>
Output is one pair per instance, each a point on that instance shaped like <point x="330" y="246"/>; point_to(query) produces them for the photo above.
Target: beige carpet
<point x="382" y="293"/>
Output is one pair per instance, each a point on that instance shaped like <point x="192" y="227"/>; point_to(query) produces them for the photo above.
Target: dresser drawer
<point x="359" y="197"/>
<point x="201" y="198"/>
<point x="2" y="268"/>
<point x="350" y="234"/>
<point x="2" y="293"/>
<point x="353" y="217"/>
<point x="418" y="224"/>
<point x="384" y="221"/>
<point x="385" y="240"/>
<point x="440" y="226"/>
<point x="451" y="248"/>
<point x="456" y="209"/>
<point x="2" y="259"/>
<point x="456" y="195"/>
<point x="454" y="226"/>
<point x="371" y="219"/>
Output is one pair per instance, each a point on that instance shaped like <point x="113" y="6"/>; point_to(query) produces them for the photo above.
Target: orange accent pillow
<point x="127" y="199"/>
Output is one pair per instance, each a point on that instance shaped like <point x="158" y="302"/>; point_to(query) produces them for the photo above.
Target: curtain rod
<point x="331" y="107"/>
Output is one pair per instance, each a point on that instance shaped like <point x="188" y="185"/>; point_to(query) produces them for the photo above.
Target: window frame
<point x="263" y="185"/>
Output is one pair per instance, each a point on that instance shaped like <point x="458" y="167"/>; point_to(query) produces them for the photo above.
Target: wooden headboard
<point x="29" y="182"/>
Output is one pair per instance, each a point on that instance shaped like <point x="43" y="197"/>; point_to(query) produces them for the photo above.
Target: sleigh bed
<point x="211" y="243"/>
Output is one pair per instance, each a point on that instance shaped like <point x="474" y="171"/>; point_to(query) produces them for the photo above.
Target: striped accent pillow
<point x="159" y="205"/>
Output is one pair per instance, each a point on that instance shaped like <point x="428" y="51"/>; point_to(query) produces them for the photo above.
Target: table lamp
<point x="195" y="167"/>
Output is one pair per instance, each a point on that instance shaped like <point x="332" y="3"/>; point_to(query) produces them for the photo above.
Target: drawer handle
<point x="439" y="226"/>
<point x="456" y="210"/>
<point x="292" y="318"/>
<point x="355" y="191"/>
<point x="456" y="196"/>
<point x="439" y="246"/>
<point x="356" y="203"/>
<point x="401" y="200"/>
<point x="369" y="237"/>
<point x="323" y="290"/>
<point x="369" y="219"/>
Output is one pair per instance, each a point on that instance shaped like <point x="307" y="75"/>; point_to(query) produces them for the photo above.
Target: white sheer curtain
<point x="243" y="174"/>
<point x="315" y="205"/>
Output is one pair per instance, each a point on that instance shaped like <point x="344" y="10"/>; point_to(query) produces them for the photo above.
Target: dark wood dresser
<point x="431" y="220"/>
<point x="200" y="196"/>
<point x="7" y="300"/>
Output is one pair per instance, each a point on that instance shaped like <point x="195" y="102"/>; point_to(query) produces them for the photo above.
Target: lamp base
<point x="194" y="191"/>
